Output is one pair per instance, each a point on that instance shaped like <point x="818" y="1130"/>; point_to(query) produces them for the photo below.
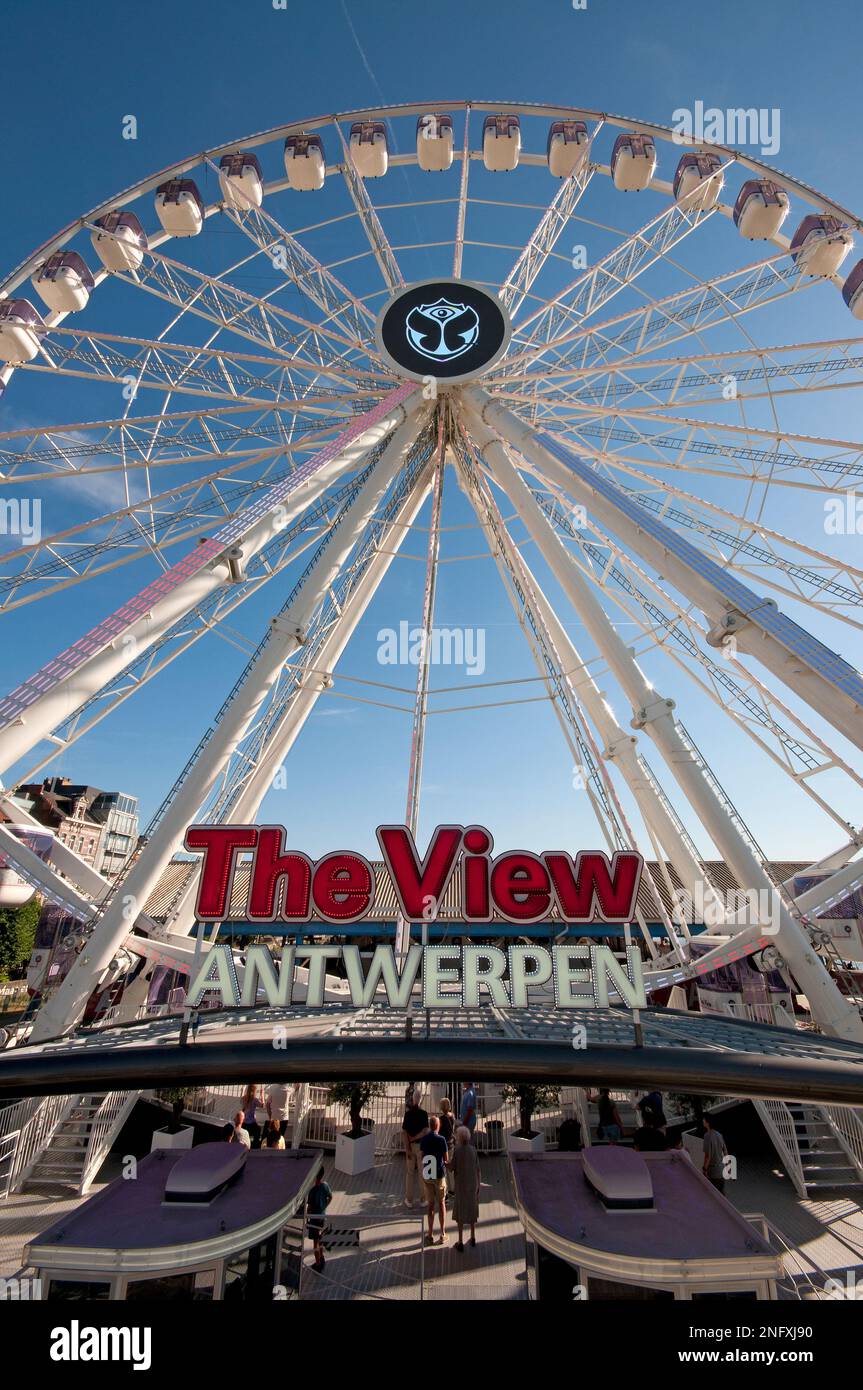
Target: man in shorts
<point x="433" y="1151"/>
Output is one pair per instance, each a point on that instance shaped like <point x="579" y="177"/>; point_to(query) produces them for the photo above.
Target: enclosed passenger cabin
<point x="19" y="330"/>
<point x="820" y="245"/>
<point x="633" y="162"/>
<point x="305" y="164"/>
<point x="698" y="181"/>
<point x="179" y="207"/>
<point x="370" y="149"/>
<point x="64" y="282"/>
<point x="15" y="890"/>
<point x="434" y="142"/>
<point x="852" y="291"/>
<point x="760" y="210"/>
<point x="241" y="181"/>
<point x="501" y="143"/>
<point x="120" y="241"/>
<point x="567" y="148"/>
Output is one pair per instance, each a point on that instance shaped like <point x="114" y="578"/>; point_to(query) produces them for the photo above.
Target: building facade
<point x="100" y="826"/>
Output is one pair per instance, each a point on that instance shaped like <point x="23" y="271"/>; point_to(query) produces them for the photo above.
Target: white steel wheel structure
<point x="198" y="368"/>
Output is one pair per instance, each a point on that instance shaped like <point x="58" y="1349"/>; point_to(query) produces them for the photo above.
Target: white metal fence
<point x="321" y="1120"/>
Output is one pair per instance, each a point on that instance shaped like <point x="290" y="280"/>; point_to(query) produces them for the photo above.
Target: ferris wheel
<point x="273" y="349"/>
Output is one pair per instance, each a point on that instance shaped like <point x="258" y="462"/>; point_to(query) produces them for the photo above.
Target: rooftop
<point x="124" y="1222"/>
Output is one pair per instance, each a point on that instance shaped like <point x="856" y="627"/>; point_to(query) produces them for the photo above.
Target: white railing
<point x="106" y="1122"/>
<point x="300" y="1111"/>
<point x="792" y="1253"/>
<point x="846" y="1125"/>
<point x="321" y="1121"/>
<point x="35" y="1136"/>
<point x="779" y="1123"/>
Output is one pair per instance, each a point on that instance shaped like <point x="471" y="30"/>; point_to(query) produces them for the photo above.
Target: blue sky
<point x="195" y="76"/>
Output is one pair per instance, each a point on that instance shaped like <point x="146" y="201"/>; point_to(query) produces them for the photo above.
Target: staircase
<point x="824" y="1160"/>
<point x="59" y="1169"/>
<point x="77" y="1145"/>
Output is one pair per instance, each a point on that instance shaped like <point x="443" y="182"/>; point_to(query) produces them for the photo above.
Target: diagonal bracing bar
<point x="43" y="701"/>
<point x="286" y="634"/>
<point x="654" y="713"/>
<point x="817" y="674"/>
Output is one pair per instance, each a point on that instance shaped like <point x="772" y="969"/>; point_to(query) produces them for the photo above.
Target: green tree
<point x="17" y="934"/>
<point x="176" y="1097"/>
<point x="355" y="1095"/>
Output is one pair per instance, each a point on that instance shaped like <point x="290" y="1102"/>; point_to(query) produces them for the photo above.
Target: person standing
<point x="610" y="1125"/>
<point x="414" y="1128"/>
<point x="433" y="1149"/>
<point x="715" y="1153"/>
<point x="447" y="1129"/>
<point x="651" y="1111"/>
<point x="278" y="1103"/>
<point x="467" y="1111"/>
<point x="250" y="1103"/>
<point x="317" y="1202"/>
<point x="465" y="1168"/>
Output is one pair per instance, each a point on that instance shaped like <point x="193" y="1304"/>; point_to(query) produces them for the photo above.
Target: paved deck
<point x="390" y="1257"/>
<point x="827" y="1230"/>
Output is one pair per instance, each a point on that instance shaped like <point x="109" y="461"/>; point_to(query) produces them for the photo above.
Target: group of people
<point x="443" y="1153"/>
<point x="652" y="1134"/>
<point x="248" y="1131"/>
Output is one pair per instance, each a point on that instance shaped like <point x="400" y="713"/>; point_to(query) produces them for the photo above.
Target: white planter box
<point x="355" y="1155"/>
<point x="181" y="1140"/>
<point x="517" y="1145"/>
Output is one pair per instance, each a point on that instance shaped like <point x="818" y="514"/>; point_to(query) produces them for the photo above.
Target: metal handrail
<point x="768" y="1230"/>
<point x="114" y="1108"/>
<point x="779" y="1122"/>
<point x="848" y="1129"/>
<point x="36" y="1134"/>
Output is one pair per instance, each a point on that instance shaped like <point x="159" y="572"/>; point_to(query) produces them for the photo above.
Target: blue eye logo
<point x="442" y="331"/>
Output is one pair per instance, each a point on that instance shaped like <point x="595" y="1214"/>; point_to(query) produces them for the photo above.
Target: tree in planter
<point x="356" y="1096"/>
<point x="528" y="1099"/>
<point x="175" y="1097"/>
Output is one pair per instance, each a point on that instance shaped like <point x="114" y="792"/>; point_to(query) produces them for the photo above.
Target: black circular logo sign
<point x="447" y="329"/>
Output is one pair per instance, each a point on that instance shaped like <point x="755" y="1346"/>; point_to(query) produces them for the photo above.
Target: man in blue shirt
<point x="434" y="1152"/>
<point x="467" y="1113"/>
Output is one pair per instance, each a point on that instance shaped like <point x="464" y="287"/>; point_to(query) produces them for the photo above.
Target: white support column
<point x="653" y="713"/>
<point x="54" y="693"/>
<point x="244" y="810"/>
<point x="803" y="663"/>
<point x="287" y="633"/>
<point x="621" y="748"/>
<point x="583" y="691"/>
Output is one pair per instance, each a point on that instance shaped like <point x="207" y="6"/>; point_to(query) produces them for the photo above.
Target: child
<point x="318" y="1200"/>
